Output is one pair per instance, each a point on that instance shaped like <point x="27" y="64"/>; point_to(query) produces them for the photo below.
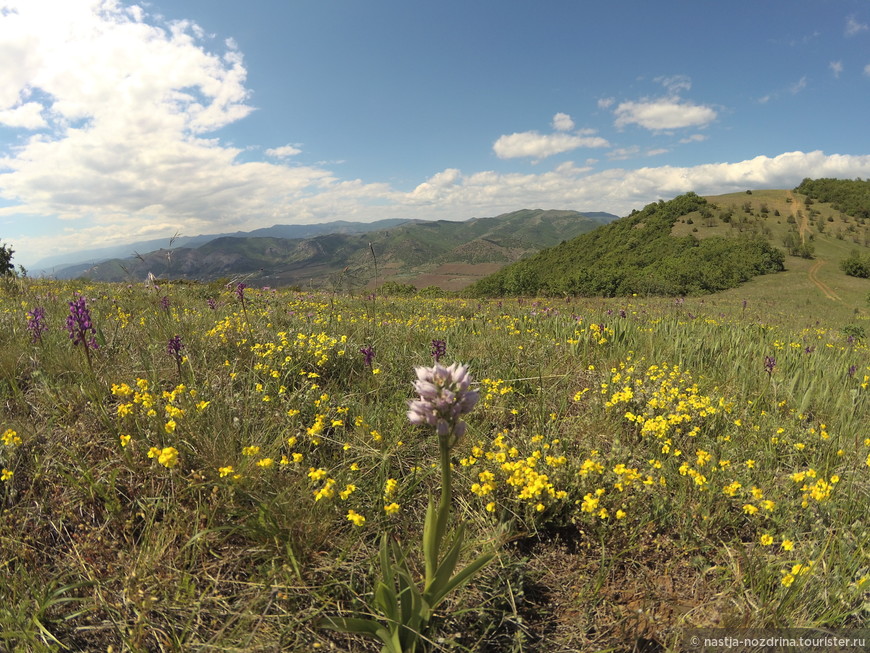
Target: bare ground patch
<point x="456" y="276"/>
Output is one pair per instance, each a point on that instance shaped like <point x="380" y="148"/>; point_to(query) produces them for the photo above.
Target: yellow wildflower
<point x="10" y="438"/>
<point x="168" y="457"/>
<point x="347" y="491"/>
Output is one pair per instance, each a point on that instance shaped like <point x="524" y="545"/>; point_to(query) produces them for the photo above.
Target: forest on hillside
<point x="851" y="196"/>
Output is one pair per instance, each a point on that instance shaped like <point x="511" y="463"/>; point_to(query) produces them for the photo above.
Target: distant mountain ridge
<point x="87" y="258"/>
<point x="447" y="253"/>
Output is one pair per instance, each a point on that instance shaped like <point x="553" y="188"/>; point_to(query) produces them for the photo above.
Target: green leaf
<point x="448" y="564"/>
<point x="386" y="600"/>
<point x="362" y="627"/>
<point x="414" y="611"/>
<point x="386" y="566"/>
<point x="463" y="576"/>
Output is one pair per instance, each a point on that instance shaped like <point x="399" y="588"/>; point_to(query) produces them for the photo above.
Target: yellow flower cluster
<point x="139" y="412"/>
<point x="663" y="400"/>
<point x="789" y="576"/>
<point x="530" y="478"/>
<point x="490" y="389"/>
<point x="819" y="491"/>
<point x="10" y="438"/>
<point x="167" y="456"/>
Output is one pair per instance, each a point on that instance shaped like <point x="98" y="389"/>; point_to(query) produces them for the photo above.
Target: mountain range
<point x="54" y="265"/>
<point x="445" y="253"/>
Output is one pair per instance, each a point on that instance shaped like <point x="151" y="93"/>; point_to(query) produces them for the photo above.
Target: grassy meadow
<point x="216" y="475"/>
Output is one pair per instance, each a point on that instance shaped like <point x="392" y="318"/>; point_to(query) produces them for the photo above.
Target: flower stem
<point x="446" y="492"/>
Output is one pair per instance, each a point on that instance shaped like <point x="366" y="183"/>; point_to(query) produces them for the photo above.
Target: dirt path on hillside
<point x="825" y="288"/>
<point x="804" y="230"/>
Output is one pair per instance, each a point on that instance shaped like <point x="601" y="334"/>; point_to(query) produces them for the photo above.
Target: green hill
<point x="639" y="254"/>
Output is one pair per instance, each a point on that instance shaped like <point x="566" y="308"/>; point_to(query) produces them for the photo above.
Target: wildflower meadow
<point x="211" y="467"/>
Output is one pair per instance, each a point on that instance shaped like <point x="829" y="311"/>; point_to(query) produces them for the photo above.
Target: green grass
<point x="615" y="515"/>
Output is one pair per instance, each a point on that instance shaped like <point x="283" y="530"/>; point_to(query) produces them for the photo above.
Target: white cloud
<point x="661" y="114"/>
<point x="694" y="138"/>
<point x="562" y="122"/>
<point x="127" y="106"/>
<point x="665" y="113"/>
<point x="451" y="194"/>
<point x="26" y="116"/>
<point x="853" y="27"/>
<point x="606" y="102"/>
<point x="621" y="190"/>
<point x="798" y="86"/>
<point x="283" y="152"/>
<point x="437" y="186"/>
<point x="540" y="146"/>
<point x="836" y="68"/>
<point x="675" y="84"/>
<point x="867" y="69"/>
<point x="623" y="153"/>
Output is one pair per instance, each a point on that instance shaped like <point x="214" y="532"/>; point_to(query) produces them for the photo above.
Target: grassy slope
<point x="793" y="290"/>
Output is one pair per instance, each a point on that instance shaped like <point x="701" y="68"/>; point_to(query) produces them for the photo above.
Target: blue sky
<point x="120" y="122"/>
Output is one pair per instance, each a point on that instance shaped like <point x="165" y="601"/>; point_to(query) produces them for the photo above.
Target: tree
<point x="856" y="265"/>
<point x="6" y="267"/>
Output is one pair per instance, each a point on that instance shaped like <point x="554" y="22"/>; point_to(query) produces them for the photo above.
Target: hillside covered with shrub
<point x="850" y="196"/>
<point x="638" y="254"/>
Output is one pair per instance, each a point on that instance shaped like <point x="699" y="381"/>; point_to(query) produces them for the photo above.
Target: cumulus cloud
<point x="853" y="27"/>
<point x="621" y="190"/>
<point x="27" y="115"/>
<point x="540" y="146"/>
<point x="665" y="113"/>
<point x="452" y="194"/>
<point x="562" y="122"/>
<point x="115" y="116"/>
<point x="283" y="152"/>
<point x="836" y="68"/>
<point x="662" y="114"/>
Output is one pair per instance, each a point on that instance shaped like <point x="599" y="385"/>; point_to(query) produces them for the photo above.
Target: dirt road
<point x="812" y="273"/>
